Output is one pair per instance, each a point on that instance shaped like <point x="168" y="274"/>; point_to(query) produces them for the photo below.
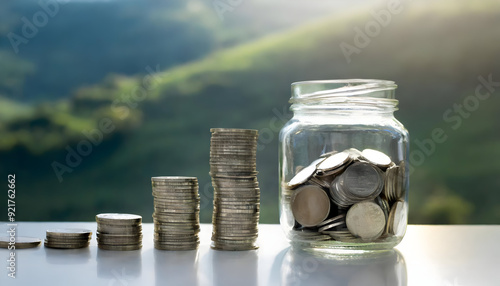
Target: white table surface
<point x="429" y="255"/>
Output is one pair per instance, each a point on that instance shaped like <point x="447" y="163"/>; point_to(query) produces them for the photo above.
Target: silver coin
<point x="310" y="205"/>
<point x="397" y="219"/>
<point x="243" y="221"/>
<point x="247" y="148"/>
<point x="232" y="138"/>
<point x="20" y="242"/>
<point x="330" y="173"/>
<point x="175" y="184"/>
<point x="234" y="130"/>
<point x="362" y="180"/>
<point x="67" y="240"/>
<point x="384" y="205"/>
<point x="354" y="153"/>
<point x="234" y="174"/>
<point x="238" y="193"/>
<point x="173" y="179"/>
<point x="334" y="161"/>
<point x="217" y="246"/>
<point x="230" y="170"/>
<point x="162" y="228"/>
<point x="366" y="220"/>
<point x="176" y="248"/>
<point x="342" y="235"/>
<point x="69" y="232"/>
<point x="340" y="217"/>
<point x="244" y="218"/>
<point x="118" y="242"/>
<point x="304" y="175"/>
<point x="235" y="152"/>
<point x="319" y="182"/>
<point x="390" y="181"/>
<point x="308" y="235"/>
<point x="226" y="145"/>
<point x="238" y="196"/>
<point x="117" y="218"/>
<point x="65" y="246"/>
<point x="331" y="226"/>
<point x="376" y="157"/>
<point x="120" y="247"/>
<point x="176" y="188"/>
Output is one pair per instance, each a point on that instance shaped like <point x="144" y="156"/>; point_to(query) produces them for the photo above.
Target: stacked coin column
<point x="176" y="213"/>
<point x="70" y="238"/>
<point x="236" y="189"/>
<point x="119" y="231"/>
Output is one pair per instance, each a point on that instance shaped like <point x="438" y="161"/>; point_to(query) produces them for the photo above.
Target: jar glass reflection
<point x="301" y="267"/>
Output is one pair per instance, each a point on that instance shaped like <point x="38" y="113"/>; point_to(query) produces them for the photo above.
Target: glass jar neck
<point x="357" y="97"/>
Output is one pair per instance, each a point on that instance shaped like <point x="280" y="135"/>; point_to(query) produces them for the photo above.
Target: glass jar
<point x="343" y="167"/>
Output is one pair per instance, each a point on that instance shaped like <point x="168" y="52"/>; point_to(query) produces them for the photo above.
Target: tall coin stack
<point x="236" y="189"/>
<point x="176" y="213"/>
<point x="119" y="231"/>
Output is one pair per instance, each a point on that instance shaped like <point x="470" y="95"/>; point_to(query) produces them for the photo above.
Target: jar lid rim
<point x="332" y="90"/>
<point x="381" y="82"/>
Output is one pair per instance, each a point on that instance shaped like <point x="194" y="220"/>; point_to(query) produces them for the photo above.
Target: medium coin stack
<point x="363" y="192"/>
<point x="68" y="238"/>
<point x="119" y="231"/>
<point x="236" y="189"/>
<point x="176" y="213"/>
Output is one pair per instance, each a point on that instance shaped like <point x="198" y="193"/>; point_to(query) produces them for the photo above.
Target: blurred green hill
<point x="84" y="41"/>
<point x="433" y="52"/>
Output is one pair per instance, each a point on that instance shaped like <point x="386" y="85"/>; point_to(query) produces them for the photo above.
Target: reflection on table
<point x="176" y="267"/>
<point x="239" y="268"/>
<point x="310" y="268"/>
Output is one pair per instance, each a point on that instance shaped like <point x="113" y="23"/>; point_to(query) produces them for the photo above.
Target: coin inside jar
<point x="310" y="205"/>
<point x="376" y="157"/>
<point x="334" y="161"/>
<point x="362" y="180"/>
<point x="366" y="220"/>
<point x="397" y="219"/>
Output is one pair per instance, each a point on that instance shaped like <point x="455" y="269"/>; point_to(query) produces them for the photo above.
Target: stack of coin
<point x="236" y="189"/>
<point x="176" y="213"/>
<point x="119" y="231"/>
<point x="70" y="238"/>
<point x="363" y="192"/>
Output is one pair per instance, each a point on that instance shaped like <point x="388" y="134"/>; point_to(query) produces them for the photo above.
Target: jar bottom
<point x="346" y="248"/>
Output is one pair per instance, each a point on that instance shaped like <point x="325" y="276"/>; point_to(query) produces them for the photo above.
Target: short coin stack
<point x="176" y="213"/>
<point x="236" y="189"/>
<point x="119" y="231"/>
<point x="20" y="242"/>
<point x="68" y="238"/>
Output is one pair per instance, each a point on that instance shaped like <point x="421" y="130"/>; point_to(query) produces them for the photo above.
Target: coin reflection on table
<point x="67" y="256"/>
<point x="169" y="264"/>
<point x="235" y="268"/>
<point x="307" y="268"/>
<point x="125" y="264"/>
